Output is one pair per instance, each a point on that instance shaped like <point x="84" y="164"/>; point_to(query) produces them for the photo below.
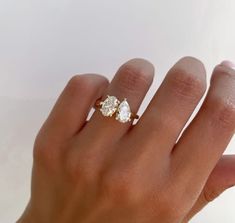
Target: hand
<point x="101" y="170"/>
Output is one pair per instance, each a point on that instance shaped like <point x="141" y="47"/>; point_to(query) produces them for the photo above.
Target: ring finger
<point x="131" y="81"/>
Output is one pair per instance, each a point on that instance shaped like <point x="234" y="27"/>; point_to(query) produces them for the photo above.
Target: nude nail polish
<point x="228" y="63"/>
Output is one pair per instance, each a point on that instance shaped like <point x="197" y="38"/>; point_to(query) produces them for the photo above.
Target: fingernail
<point x="228" y="63"/>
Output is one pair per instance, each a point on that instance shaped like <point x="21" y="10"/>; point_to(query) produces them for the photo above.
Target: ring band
<point x="112" y="106"/>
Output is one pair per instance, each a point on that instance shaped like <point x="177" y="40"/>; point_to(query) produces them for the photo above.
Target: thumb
<point x="221" y="178"/>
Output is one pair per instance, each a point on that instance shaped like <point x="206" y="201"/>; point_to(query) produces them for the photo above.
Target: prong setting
<point x="109" y="106"/>
<point x="123" y="112"/>
<point x="112" y="106"/>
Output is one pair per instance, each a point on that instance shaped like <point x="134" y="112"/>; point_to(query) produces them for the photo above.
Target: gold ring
<point x="112" y="106"/>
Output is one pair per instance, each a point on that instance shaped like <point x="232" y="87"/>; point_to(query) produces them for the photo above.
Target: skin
<point x="101" y="170"/>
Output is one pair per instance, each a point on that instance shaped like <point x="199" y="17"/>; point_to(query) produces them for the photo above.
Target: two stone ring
<point x="112" y="106"/>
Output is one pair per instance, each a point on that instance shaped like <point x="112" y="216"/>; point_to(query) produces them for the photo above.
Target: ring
<point x="112" y="106"/>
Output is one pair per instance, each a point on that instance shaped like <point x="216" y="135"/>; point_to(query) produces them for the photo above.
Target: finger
<point x="131" y="81"/>
<point x="221" y="178"/>
<point x="173" y="104"/>
<point x="72" y="107"/>
<point x="201" y="145"/>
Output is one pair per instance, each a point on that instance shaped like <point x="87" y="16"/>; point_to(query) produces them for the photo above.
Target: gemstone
<point x="109" y="106"/>
<point x="124" y="112"/>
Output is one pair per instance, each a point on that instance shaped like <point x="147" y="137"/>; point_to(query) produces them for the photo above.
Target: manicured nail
<point x="229" y="64"/>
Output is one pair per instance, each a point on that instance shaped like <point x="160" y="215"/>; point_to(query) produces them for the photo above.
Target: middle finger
<point x="172" y="105"/>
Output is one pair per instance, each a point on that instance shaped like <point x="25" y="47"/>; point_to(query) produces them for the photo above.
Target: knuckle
<point x="187" y="85"/>
<point x="132" y="78"/>
<point x="222" y="113"/>
<point x="221" y="102"/>
<point x="221" y="71"/>
<point x="44" y="153"/>
<point x="78" y="84"/>
<point x="81" y="168"/>
<point x="227" y="115"/>
<point x="119" y="188"/>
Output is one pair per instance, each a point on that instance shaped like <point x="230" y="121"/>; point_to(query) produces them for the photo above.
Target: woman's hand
<point x="101" y="170"/>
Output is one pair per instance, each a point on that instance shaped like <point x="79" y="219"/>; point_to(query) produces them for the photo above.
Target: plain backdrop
<point x="44" y="43"/>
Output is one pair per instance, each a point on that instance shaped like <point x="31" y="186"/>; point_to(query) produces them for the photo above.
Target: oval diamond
<point x="109" y="106"/>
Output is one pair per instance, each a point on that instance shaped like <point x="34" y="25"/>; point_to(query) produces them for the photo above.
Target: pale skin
<point x="103" y="171"/>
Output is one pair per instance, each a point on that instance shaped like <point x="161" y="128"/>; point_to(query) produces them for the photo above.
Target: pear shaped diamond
<point x="124" y="112"/>
<point x="109" y="106"/>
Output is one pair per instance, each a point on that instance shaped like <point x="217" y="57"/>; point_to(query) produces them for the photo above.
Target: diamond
<point x="124" y="112"/>
<point x="109" y="106"/>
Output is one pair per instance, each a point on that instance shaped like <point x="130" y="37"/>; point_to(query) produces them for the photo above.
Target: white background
<point x="43" y="43"/>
